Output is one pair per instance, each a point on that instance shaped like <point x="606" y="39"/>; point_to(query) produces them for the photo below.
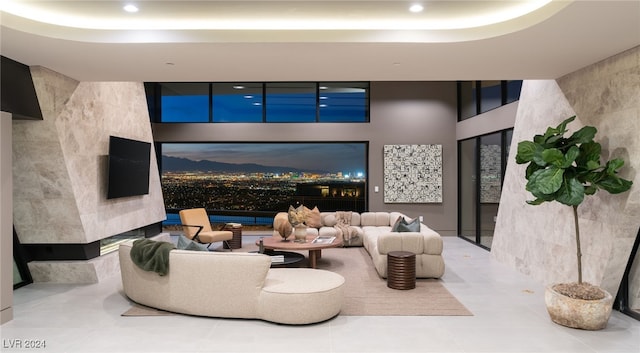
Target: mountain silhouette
<point x="177" y="164"/>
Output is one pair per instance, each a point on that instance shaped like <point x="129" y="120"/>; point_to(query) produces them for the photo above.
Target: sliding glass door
<point x="467" y="156"/>
<point x="482" y="161"/>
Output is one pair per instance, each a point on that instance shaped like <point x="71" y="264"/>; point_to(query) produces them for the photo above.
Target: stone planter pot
<point x="578" y="313"/>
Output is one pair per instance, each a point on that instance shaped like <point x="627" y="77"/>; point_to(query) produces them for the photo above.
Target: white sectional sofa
<point x="374" y="233"/>
<point x="233" y="285"/>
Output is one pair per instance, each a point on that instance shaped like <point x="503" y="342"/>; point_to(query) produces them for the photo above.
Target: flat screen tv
<point x="128" y="167"/>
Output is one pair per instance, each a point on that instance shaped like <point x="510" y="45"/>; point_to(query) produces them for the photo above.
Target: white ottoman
<point x="318" y="293"/>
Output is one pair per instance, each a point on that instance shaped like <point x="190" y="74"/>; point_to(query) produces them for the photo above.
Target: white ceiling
<point x="306" y="40"/>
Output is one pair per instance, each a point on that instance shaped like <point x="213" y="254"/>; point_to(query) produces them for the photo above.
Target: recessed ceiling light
<point x="248" y="97"/>
<point x="238" y="87"/>
<point x="130" y="8"/>
<point x="416" y="8"/>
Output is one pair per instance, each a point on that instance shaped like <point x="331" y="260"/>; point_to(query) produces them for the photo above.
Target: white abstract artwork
<point x="412" y="173"/>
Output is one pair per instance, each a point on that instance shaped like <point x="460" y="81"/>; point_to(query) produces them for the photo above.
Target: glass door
<point x="467" y="157"/>
<point x="481" y="164"/>
<point x="490" y="185"/>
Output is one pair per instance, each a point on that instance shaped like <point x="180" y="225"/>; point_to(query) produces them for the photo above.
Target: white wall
<point x="6" y="220"/>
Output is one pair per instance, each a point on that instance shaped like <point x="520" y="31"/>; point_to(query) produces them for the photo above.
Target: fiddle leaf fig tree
<point x="566" y="169"/>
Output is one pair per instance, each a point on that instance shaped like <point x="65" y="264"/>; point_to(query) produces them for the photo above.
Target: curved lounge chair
<point x="197" y="227"/>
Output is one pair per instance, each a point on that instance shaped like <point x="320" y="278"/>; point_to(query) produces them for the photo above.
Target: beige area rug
<point x="366" y="294"/>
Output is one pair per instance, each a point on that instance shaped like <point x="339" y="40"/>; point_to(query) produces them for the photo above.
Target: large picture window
<point x="249" y="177"/>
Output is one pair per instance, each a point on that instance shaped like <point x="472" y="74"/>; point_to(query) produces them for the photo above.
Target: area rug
<point x="366" y="294"/>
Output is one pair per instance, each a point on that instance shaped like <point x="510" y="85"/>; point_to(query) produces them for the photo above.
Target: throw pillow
<point x="394" y="227"/>
<point x="313" y="217"/>
<point x="413" y="226"/>
<point x="330" y="220"/>
<point x="185" y="243"/>
<point x="297" y="215"/>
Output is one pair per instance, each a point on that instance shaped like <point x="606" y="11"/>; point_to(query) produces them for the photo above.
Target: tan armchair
<point x="197" y="227"/>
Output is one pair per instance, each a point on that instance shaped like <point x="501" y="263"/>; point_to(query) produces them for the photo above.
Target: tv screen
<point x="128" y="167"/>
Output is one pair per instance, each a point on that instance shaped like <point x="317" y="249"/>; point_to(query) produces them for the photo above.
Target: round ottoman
<point x="301" y="295"/>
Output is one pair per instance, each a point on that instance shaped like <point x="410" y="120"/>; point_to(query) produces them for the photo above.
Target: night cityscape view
<point x="263" y="177"/>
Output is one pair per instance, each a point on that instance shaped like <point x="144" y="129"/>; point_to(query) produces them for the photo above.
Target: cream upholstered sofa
<point x="374" y="233"/>
<point x="233" y="285"/>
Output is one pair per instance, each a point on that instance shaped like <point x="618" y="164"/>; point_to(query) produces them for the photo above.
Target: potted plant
<point x="566" y="170"/>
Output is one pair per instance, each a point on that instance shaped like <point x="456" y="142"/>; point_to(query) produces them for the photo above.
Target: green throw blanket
<point x="152" y="255"/>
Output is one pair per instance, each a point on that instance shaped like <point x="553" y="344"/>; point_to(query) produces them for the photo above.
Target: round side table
<point x="236" y="241"/>
<point x="401" y="270"/>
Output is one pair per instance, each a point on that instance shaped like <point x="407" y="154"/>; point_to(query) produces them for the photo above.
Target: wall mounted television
<point x="129" y="162"/>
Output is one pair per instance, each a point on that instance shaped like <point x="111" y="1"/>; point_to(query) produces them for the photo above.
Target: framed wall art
<point x="412" y="173"/>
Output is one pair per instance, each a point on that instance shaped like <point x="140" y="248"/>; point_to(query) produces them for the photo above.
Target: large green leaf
<point x="545" y="181"/>
<point x="562" y="127"/>
<point x="531" y="168"/>
<point x="570" y="157"/>
<point x="613" y="165"/>
<point x="538" y="157"/>
<point x="526" y="149"/>
<point x="571" y="193"/>
<point x="614" y="184"/>
<point x="592" y="165"/>
<point x="584" y="135"/>
<point x="589" y="151"/>
<point x="553" y="156"/>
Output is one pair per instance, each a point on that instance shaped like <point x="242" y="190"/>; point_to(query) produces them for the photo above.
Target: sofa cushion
<point x="355" y="219"/>
<point x="410" y="241"/>
<point x="375" y="219"/>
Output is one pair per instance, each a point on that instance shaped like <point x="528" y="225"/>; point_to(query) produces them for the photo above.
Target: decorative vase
<point x="300" y="233"/>
<point x="578" y="313"/>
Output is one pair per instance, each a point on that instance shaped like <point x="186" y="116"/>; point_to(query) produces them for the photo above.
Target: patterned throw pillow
<point x="297" y="215"/>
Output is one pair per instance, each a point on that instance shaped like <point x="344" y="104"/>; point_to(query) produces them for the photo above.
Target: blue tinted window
<point x="237" y="102"/>
<point x="184" y="102"/>
<point x="343" y="102"/>
<point x="490" y="95"/>
<point x="290" y="102"/>
<point x="257" y="102"/>
<point x="467" y="103"/>
<point x="513" y="90"/>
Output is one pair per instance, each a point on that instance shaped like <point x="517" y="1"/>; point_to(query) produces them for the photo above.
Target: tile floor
<point x="509" y="316"/>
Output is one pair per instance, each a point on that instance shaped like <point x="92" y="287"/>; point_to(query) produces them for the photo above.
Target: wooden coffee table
<point x="273" y="243"/>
